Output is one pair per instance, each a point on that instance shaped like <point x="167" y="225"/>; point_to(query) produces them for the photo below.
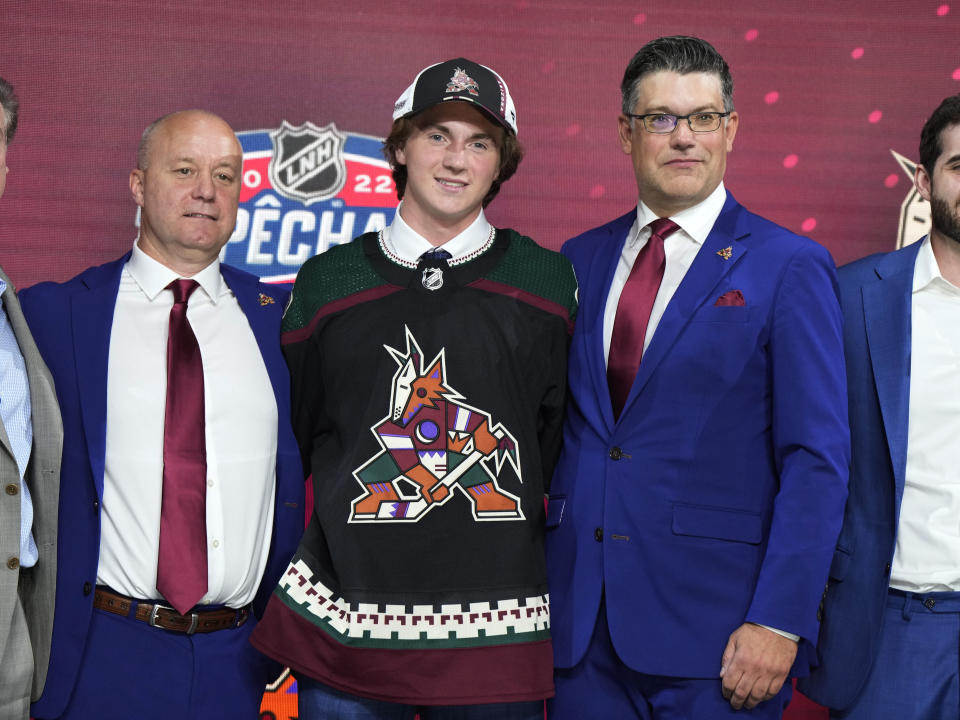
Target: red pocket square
<point x="733" y="298"/>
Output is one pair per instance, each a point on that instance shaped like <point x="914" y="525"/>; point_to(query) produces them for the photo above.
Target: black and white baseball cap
<point x="459" y="79"/>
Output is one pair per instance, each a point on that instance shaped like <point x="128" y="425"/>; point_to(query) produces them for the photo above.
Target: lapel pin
<point x="726" y="252"/>
<point x="266" y="299"/>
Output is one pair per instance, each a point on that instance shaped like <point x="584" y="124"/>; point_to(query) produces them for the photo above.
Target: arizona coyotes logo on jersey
<point x="433" y="444"/>
<point x="460" y="81"/>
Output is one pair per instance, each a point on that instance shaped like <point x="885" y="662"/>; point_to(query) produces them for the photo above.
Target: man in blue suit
<point x="888" y="641"/>
<point x="695" y="508"/>
<point x="175" y="400"/>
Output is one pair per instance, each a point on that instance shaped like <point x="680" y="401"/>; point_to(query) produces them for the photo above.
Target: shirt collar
<point x="153" y="276"/>
<point x="409" y="245"/>
<point x="926" y="271"/>
<point x="696" y="221"/>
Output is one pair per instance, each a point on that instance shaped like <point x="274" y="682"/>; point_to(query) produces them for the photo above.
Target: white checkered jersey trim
<point x="421" y="624"/>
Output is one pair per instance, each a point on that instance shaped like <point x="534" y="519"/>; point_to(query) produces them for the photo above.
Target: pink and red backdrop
<point x="827" y="93"/>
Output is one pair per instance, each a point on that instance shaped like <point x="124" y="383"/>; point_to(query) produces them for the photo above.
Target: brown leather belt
<point x="202" y="621"/>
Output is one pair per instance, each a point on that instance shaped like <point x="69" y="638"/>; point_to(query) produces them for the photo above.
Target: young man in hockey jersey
<point x="428" y="367"/>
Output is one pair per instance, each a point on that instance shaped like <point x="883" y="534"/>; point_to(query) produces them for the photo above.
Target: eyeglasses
<point x="664" y="123"/>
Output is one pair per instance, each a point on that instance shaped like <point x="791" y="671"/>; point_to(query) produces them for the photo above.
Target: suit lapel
<point x="261" y="310"/>
<point x="5" y="440"/>
<point x="886" y="310"/>
<point x="92" y="321"/>
<point x="244" y="288"/>
<point x="707" y="270"/>
<point x="600" y="278"/>
<point x="8" y="299"/>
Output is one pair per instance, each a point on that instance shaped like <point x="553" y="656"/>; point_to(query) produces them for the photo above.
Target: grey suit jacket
<point x="37" y="585"/>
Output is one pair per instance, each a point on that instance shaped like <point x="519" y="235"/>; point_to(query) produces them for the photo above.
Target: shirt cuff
<point x="784" y="633"/>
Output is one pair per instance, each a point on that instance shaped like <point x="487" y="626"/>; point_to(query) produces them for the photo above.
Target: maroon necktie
<point x="633" y="313"/>
<point x="182" y="559"/>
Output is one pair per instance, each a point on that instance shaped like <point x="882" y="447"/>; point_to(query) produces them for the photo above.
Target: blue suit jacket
<point x="876" y="295"/>
<point x="71" y="323"/>
<point x="717" y="496"/>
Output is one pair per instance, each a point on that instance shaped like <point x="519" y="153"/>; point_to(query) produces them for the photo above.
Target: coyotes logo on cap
<point x="460" y="81"/>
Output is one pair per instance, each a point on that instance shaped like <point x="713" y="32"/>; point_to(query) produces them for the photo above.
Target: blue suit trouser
<point x="601" y="686"/>
<point x="916" y="673"/>
<point x="132" y="670"/>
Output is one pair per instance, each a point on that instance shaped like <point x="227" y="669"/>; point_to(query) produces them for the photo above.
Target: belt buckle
<point x="194" y="619"/>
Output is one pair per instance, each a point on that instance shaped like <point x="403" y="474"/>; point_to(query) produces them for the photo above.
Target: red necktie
<point x="633" y="313"/>
<point x="182" y="559"/>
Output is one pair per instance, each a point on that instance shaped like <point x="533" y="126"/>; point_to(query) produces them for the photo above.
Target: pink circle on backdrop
<point x="956" y="74"/>
<point x="874" y="117"/>
<point x="791" y="160"/>
<point x="771" y="97"/>
<point x="891" y="180"/>
<point x="751" y="34"/>
<point x="597" y="192"/>
<point x="943" y="10"/>
<point x="573" y="129"/>
<point x="549" y="66"/>
<point x="639" y="18"/>
<point x="808" y="224"/>
<point x="857" y="53"/>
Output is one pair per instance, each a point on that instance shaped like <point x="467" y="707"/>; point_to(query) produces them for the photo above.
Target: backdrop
<point x="831" y="96"/>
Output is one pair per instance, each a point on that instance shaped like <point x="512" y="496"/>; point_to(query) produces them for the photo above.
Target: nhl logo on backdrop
<point x="305" y="189"/>
<point x="308" y="161"/>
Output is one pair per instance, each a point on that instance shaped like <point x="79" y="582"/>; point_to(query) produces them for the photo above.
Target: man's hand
<point x="755" y="665"/>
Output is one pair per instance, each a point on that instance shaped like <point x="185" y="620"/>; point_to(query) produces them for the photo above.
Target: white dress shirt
<point x="406" y="245"/>
<point x="680" y="249"/>
<point x="241" y="434"/>
<point x="927" y="556"/>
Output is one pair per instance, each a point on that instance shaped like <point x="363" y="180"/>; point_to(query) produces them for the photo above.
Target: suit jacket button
<point x="598" y="534"/>
<point x="12" y="489"/>
<point x="616" y="453"/>
<point x="87" y="587"/>
<point x="13" y="563"/>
